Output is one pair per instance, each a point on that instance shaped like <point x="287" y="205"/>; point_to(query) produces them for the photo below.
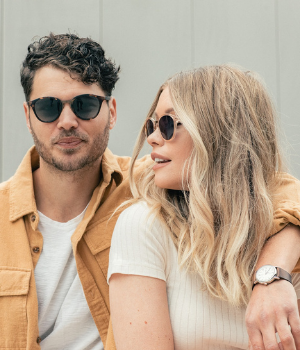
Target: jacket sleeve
<point x="286" y="203"/>
<point x="287" y="206"/>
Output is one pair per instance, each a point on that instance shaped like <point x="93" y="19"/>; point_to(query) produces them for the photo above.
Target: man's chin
<point x="68" y="150"/>
<point x="74" y="165"/>
<point x="70" y="161"/>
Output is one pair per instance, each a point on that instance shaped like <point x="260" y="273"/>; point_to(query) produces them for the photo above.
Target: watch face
<point x="265" y="273"/>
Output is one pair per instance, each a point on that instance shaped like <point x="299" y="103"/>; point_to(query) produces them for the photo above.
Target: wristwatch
<point x="269" y="273"/>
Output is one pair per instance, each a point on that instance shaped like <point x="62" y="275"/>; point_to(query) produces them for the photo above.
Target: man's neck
<point x="62" y="196"/>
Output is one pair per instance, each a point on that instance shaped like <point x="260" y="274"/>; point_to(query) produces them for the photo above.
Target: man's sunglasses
<point x="167" y="125"/>
<point x="85" y="107"/>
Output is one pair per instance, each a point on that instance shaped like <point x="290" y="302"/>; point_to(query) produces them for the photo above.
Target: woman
<point x="183" y="256"/>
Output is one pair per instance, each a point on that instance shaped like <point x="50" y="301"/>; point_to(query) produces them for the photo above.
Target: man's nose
<point x="67" y="119"/>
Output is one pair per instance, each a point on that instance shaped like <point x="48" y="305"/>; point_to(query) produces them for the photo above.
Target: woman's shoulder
<point x="136" y="212"/>
<point x="141" y="222"/>
<point x="137" y="207"/>
<point x="138" y="246"/>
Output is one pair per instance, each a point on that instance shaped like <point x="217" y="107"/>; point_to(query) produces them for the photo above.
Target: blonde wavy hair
<point x="221" y="223"/>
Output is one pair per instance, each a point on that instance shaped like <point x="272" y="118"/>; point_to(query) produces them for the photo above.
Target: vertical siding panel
<point x="289" y="58"/>
<point x="277" y="29"/>
<point x="101" y="34"/>
<point x="241" y="32"/>
<point x="151" y="40"/>
<point x="192" y="16"/>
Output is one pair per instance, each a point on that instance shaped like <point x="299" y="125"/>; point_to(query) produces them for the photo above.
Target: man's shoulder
<point x="24" y="170"/>
<point x="287" y="190"/>
<point x="5" y="201"/>
<point x="124" y="162"/>
<point x="288" y="180"/>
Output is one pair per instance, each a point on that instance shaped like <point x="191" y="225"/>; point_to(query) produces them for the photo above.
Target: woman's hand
<point x="139" y="313"/>
<point x="273" y="308"/>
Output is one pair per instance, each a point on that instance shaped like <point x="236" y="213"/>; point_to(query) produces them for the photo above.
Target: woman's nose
<point x="155" y="138"/>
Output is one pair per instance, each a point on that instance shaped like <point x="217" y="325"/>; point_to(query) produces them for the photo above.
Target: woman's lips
<point x="159" y="164"/>
<point x="158" y="157"/>
<point x="160" y="161"/>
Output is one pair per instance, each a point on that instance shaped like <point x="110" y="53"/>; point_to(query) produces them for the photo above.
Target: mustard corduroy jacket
<point x="21" y="245"/>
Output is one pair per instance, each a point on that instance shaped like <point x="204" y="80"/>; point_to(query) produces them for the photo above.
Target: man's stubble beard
<point x="86" y="161"/>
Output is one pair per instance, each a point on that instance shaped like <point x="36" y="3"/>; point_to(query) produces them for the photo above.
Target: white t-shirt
<point x="140" y="246"/>
<point x="65" y="321"/>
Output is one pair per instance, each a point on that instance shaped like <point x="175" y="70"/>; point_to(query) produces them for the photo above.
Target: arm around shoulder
<point x="286" y="203"/>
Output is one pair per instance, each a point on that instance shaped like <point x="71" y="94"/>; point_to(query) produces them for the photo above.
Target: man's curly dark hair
<point x="83" y="58"/>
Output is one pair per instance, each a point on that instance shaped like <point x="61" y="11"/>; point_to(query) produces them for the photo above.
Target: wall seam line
<point x="192" y="34"/>
<point x="277" y="45"/>
<point x="101" y="23"/>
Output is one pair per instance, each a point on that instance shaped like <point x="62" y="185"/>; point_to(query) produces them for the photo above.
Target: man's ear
<point x="26" y="110"/>
<point x="112" y="112"/>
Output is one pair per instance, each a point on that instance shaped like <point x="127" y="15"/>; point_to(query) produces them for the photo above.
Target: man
<point x="56" y="212"/>
<point x="57" y="207"/>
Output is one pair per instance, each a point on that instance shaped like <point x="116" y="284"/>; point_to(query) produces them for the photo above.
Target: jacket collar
<point x="21" y="196"/>
<point x="111" y="168"/>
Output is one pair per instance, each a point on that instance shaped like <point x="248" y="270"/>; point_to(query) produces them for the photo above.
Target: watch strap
<point x="282" y="274"/>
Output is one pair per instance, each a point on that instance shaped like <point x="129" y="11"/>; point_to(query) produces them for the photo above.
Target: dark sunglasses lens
<point x="166" y="127"/>
<point x="48" y="109"/>
<point x="149" y="127"/>
<point x="86" y="107"/>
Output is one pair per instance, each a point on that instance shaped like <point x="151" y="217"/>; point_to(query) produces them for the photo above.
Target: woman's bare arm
<point x="139" y="313"/>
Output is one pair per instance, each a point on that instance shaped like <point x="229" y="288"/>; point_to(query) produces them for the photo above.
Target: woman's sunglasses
<point x="86" y="107"/>
<point x="167" y="125"/>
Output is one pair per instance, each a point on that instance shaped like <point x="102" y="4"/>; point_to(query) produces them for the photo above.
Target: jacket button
<point x="38" y="340"/>
<point x="33" y="217"/>
<point x="36" y="249"/>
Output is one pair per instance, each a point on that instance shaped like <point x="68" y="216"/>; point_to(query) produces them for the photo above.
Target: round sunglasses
<point x="167" y="125"/>
<point x="85" y="107"/>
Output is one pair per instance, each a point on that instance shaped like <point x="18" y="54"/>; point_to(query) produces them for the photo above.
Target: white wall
<point x="151" y="40"/>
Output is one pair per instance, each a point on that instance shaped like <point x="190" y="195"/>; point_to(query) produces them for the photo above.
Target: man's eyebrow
<point x="169" y="110"/>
